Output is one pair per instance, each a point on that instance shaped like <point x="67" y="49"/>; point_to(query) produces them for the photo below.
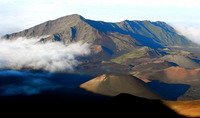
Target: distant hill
<point x="112" y="85"/>
<point x="180" y="60"/>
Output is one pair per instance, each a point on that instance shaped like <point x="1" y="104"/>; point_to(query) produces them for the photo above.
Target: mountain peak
<point x="50" y="27"/>
<point x="72" y="16"/>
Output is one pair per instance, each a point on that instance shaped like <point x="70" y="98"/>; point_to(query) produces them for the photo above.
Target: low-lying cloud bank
<point x="192" y="32"/>
<point x="24" y="53"/>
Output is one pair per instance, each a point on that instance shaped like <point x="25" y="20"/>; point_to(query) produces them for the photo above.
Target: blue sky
<point x="16" y="15"/>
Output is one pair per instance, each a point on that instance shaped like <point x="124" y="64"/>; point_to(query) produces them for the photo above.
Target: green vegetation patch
<point x="131" y="55"/>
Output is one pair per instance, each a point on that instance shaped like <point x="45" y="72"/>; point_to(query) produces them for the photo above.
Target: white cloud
<point x="54" y="57"/>
<point x="7" y="1"/>
<point x="153" y="3"/>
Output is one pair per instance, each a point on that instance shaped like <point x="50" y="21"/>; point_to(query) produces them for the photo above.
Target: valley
<point x="145" y="61"/>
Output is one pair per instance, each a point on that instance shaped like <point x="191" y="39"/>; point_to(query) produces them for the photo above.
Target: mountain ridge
<point x="75" y="27"/>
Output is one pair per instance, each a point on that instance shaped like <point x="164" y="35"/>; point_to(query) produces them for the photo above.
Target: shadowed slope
<point x="151" y="34"/>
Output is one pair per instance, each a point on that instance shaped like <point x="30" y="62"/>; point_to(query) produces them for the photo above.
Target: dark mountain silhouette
<point x="122" y="105"/>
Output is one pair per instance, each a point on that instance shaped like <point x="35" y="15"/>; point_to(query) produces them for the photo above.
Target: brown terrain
<point x="180" y="74"/>
<point x="185" y="108"/>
